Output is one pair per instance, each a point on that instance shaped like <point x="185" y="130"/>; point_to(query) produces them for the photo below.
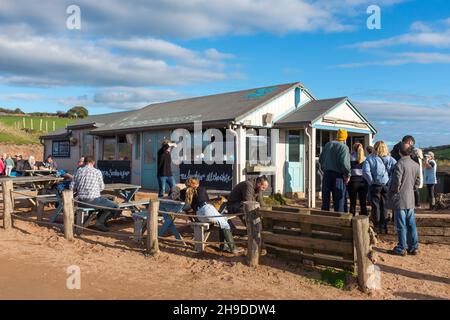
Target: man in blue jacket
<point x="335" y="164"/>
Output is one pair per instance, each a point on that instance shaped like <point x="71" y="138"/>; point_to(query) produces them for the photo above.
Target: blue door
<point x="151" y="143"/>
<point x="294" y="179"/>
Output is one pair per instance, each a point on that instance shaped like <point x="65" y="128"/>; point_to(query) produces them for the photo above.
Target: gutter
<point x="236" y="150"/>
<point x="309" y="165"/>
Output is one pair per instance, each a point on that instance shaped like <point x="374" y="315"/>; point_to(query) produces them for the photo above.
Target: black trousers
<point x="379" y="215"/>
<point x="416" y="197"/>
<point x="357" y="189"/>
<point x="431" y="199"/>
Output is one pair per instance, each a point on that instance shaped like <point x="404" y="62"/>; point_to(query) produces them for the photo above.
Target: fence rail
<point x="316" y="237"/>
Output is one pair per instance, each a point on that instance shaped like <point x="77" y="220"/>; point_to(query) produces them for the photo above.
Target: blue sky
<point x="129" y="54"/>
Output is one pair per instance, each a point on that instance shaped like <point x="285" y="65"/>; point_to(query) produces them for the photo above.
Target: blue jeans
<point x="333" y="183"/>
<point x="104" y="214"/>
<point x="405" y="223"/>
<point x="208" y="210"/>
<point x="162" y="185"/>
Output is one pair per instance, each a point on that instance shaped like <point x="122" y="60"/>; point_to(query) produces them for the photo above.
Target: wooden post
<point x="8" y="204"/>
<point x="67" y="196"/>
<point x="254" y="228"/>
<point x="54" y="125"/>
<point x="40" y="125"/>
<point x="361" y="240"/>
<point x="152" y="227"/>
<point x="24" y="124"/>
<point x="31" y="124"/>
<point x="46" y="125"/>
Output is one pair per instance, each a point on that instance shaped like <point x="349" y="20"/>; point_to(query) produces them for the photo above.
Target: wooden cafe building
<point x="296" y="127"/>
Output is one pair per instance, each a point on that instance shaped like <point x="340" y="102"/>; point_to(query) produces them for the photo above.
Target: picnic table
<point x="124" y="190"/>
<point x="37" y="182"/>
<point x="37" y="172"/>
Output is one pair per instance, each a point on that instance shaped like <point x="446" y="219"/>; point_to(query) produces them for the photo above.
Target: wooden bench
<point x="201" y="233"/>
<point x="43" y="200"/>
<point x="83" y="217"/>
<point x="140" y="224"/>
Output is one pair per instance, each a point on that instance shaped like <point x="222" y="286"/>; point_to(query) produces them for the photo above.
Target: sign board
<point x="211" y="176"/>
<point x="115" y="171"/>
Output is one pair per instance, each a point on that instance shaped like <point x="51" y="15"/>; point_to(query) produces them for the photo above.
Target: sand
<point x="34" y="261"/>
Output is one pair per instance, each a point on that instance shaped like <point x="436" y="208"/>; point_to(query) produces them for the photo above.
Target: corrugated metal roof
<point x="59" y="133"/>
<point x="99" y="120"/>
<point x="310" y="111"/>
<point x="218" y="108"/>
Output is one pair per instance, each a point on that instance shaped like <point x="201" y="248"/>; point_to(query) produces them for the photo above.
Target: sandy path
<point x="33" y="263"/>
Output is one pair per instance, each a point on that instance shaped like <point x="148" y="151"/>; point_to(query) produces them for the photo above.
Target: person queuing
<point x="357" y="187"/>
<point x="249" y="190"/>
<point x="395" y="153"/>
<point x="377" y="171"/>
<point x="430" y="178"/>
<point x="165" y="169"/>
<point x="197" y="198"/>
<point x="87" y="184"/>
<point x="335" y="163"/>
<point x="401" y="193"/>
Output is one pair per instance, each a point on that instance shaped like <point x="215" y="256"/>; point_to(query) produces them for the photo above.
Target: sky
<point x="128" y="54"/>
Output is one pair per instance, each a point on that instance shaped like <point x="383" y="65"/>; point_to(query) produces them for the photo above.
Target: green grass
<point x="17" y="122"/>
<point x="8" y="138"/>
<point x="441" y="152"/>
<point x="335" y="278"/>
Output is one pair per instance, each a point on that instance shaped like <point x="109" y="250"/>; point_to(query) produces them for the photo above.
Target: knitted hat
<point x="342" y="135"/>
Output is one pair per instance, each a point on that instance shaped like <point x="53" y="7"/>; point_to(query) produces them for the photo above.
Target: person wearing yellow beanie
<point x="342" y="135"/>
<point x="335" y="164"/>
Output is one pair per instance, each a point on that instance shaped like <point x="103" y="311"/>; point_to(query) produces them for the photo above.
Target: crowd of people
<point x="387" y="180"/>
<point x="16" y="166"/>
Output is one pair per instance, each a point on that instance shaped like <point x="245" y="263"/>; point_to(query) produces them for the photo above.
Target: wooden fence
<point x="432" y="228"/>
<point x="313" y="237"/>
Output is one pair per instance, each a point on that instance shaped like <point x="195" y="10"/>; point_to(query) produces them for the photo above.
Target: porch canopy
<point x="320" y="119"/>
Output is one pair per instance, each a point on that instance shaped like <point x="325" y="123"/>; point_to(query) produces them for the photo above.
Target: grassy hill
<point x="27" y="129"/>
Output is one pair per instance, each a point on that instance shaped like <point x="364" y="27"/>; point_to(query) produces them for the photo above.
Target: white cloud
<point x="427" y="123"/>
<point x="421" y="34"/>
<point x="122" y="98"/>
<point x="41" y="61"/>
<point x="398" y="59"/>
<point x="189" y="19"/>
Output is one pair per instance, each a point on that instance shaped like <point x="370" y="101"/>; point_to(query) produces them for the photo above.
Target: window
<point x="294" y="145"/>
<point x="297" y="97"/>
<point x="109" y="148"/>
<point x="61" y="149"/>
<point x="88" y="145"/>
<point x="137" y="146"/>
<point x="258" y="147"/>
<point x="149" y="156"/>
<point x="125" y="150"/>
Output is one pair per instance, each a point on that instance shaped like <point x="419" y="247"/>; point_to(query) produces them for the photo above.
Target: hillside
<point x="25" y="129"/>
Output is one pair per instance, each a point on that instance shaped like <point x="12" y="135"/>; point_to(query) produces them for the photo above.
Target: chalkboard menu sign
<point x="211" y="176"/>
<point x="115" y="171"/>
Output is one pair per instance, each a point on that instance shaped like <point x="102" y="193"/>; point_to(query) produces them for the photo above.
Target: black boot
<point x="221" y="239"/>
<point x="101" y="221"/>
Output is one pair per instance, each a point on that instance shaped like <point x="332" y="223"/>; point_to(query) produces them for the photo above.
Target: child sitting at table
<point x="197" y="198"/>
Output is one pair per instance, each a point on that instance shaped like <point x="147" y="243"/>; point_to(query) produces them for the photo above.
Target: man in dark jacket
<point x="250" y="190"/>
<point x="406" y="176"/>
<point x="335" y="163"/>
<point x="165" y="170"/>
